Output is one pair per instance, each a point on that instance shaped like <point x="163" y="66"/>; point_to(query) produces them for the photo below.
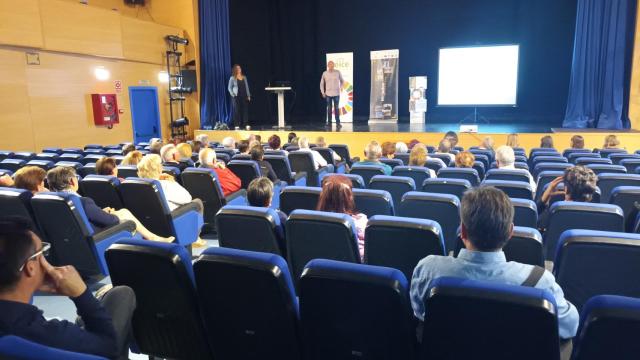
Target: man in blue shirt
<point x="373" y="153"/>
<point x="486" y="225"/>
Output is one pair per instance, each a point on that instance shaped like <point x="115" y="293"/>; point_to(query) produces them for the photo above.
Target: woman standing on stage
<point x="239" y="90"/>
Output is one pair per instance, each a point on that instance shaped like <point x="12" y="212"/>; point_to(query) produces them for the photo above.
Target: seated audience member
<point x="401" y="148"/>
<point x="487" y="143"/>
<point x="243" y="147"/>
<point x="372" y="154"/>
<point x="546" y="142"/>
<point x="444" y="147"/>
<point x="106" y="329"/>
<point x="253" y="144"/>
<point x="127" y="148"/>
<point x="132" y="158"/>
<point x="295" y="142"/>
<point x="171" y="157"/>
<point x="465" y="159"/>
<point x="580" y="183"/>
<point x="486" y="215"/>
<point x="505" y="159"/>
<point x="388" y="150"/>
<point x="257" y="155"/>
<point x="229" y="182"/>
<point x="317" y="158"/>
<point x="229" y="143"/>
<point x="452" y="137"/>
<point x="337" y="197"/>
<point x="260" y="194"/>
<point x="204" y="141"/>
<point x="418" y="157"/>
<point x="577" y="142"/>
<point x="196" y="146"/>
<point x="291" y="136"/>
<point x="321" y="143"/>
<point x="63" y="179"/>
<point x="611" y="142"/>
<point x="512" y="140"/>
<point x="30" y="178"/>
<point x="186" y="151"/>
<point x="258" y="138"/>
<point x="274" y="142"/>
<point x="155" y="145"/>
<point x="412" y="143"/>
<point x="106" y="166"/>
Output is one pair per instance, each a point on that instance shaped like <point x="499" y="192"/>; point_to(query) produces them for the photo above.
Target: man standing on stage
<point x="330" y="85"/>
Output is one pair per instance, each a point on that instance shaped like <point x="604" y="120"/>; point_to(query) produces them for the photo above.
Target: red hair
<point x="337" y="196"/>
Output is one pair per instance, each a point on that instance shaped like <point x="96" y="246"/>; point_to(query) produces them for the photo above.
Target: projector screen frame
<point x="478" y="105"/>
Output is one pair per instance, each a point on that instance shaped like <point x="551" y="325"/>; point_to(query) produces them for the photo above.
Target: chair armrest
<point x="355" y="159"/>
<point x="323" y="170"/>
<point x="298" y="175"/>
<point x="128" y="226"/>
<point x="239" y="193"/>
<point x="183" y="209"/>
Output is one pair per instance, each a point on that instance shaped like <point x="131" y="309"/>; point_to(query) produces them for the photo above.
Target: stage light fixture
<point x="177" y="39"/>
<point x="101" y="73"/>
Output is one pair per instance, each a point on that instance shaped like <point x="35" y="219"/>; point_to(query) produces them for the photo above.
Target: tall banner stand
<point x="344" y="64"/>
<point x="417" y="99"/>
<point x="383" y="103"/>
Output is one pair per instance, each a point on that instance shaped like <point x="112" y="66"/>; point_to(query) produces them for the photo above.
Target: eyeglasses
<point x="43" y="251"/>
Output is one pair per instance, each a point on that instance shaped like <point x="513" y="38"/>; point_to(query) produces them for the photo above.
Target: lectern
<point x="280" y="90"/>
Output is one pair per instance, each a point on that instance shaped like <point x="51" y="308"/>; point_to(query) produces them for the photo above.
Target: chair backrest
<point x="628" y="198"/>
<point x="327" y="154"/>
<point x="548" y="159"/>
<point x="568" y="152"/>
<point x="127" y="171"/>
<point x="567" y="215"/>
<point x="402" y="156"/>
<point x="145" y="199"/>
<point x="228" y="152"/>
<point x="357" y="182"/>
<point x="540" y="167"/>
<point x="525" y="213"/>
<point x="280" y="165"/>
<point x="319" y="235"/>
<point x="13" y="347"/>
<point x="484" y="159"/>
<point x="543" y="152"/>
<point x="250" y="228"/>
<point x="573" y="158"/>
<point x="608" y="328"/>
<point x="397" y="186"/>
<point x="453" y="303"/>
<point x="303" y="161"/>
<point x="12" y="165"/>
<point x="480" y="168"/>
<point x="71" y="157"/>
<point x="72" y="164"/>
<point x="604" y="168"/>
<point x="444" y="157"/>
<point x="246" y="170"/>
<point x="241" y="157"/>
<point x="53" y="150"/>
<point x="609" y="181"/>
<point x="354" y="311"/>
<point x="203" y="184"/>
<point x="88" y="169"/>
<point x="455" y="187"/>
<point x="400" y="243"/>
<point x="545" y="178"/>
<point x="103" y="190"/>
<point x="590" y="263"/>
<point x="74" y="150"/>
<point x="223" y="156"/>
<point x="238" y="327"/>
<point x="605" y="153"/>
<point x="47" y="156"/>
<point x="593" y="160"/>
<point x="514" y="189"/>
<point x="617" y="158"/>
<point x="479" y="153"/>
<point x="630" y="164"/>
<point x="525" y="246"/>
<point x="418" y="173"/>
<point x="392" y="162"/>
<point x="468" y="174"/>
<point x="441" y="208"/>
<point x="342" y="150"/>
<point x="15" y="202"/>
<point x="373" y="202"/>
<point x="508" y="175"/>
<point x="23" y="155"/>
<point x="367" y="171"/>
<point x="434" y="164"/>
<point x="299" y="197"/>
<point x="167" y="321"/>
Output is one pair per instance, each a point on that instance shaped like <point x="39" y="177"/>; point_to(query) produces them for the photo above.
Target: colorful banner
<point x="344" y="64"/>
<point x="384" y="85"/>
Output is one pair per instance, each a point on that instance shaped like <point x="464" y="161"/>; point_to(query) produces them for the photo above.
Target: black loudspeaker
<point x="134" y="2"/>
<point x="189" y="80"/>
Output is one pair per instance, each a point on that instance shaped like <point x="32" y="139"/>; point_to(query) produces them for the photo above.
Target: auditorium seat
<point x="92" y="158"/>
<point x="524" y="317"/>
<point x="455" y="187"/>
<point x="484" y="159"/>
<point x="127" y="171"/>
<point x="483" y="152"/>
<point x="282" y="168"/>
<point x="23" y="155"/>
<point x="480" y="168"/>
<point x="319" y="235"/>
<point x="88" y="169"/>
<point x="54" y="150"/>
<point x="343" y="151"/>
<point x="544" y="178"/>
<point x="617" y="158"/>
<point x="246" y="170"/>
<point x="373" y="202"/>
<point x="392" y="162"/>
<point x="241" y="157"/>
<point x="74" y="240"/>
<point x="441" y="208"/>
<point x="75" y="157"/>
<point x="291" y="148"/>
<point x="299" y="197"/>
<point x="327" y="155"/>
<point x="605" y="153"/>
<point x="508" y="175"/>
<point x="525" y="213"/>
<point x="16" y="202"/>
<point x="540" y="150"/>
<point x="590" y="263"/>
<point x="547" y="159"/>
<point x="367" y="171"/>
<point x="356" y="180"/>
<point x="593" y="160"/>
<point x="47" y="156"/>
<point x="228" y="152"/>
<point x="418" y="173"/>
<point x="229" y="282"/>
<point x="87" y="152"/>
<point x="145" y="199"/>
<point x="72" y="164"/>
<point x="401" y="242"/>
<point x="397" y="186"/>
<point x="520" y="158"/>
<point x="12" y="165"/>
<point x="112" y="152"/>
<point x="402" y="156"/>
<point x="630" y="164"/>
<point x="102" y="189"/>
<point x="444" y="157"/>
<point x="573" y="158"/>
<point x="355" y="311"/>
<point x="45" y="165"/>
<point x="514" y="189"/>
<point x="110" y="147"/>
<point x="609" y="181"/>
<point x="302" y="161"/>
<point x="628" y="198"/>
<point x="434" y="165"/>
<point x="567" y="152"/>
<point x="468" y="174"/>
<point x="222" y="156"/>
<point x="250" y="228"/>
<point x="14" y="347"/>
<point x="525" y="246"/>
<point x="167" y="321"/>
<point x="567" y="215"/>
<point x="541" y="167"/>
<point x="604" y="168"/>
<point x="74" y="150"/>
<point x="608" y="329"/>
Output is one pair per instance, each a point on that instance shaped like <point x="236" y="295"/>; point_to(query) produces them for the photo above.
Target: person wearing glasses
<point x="106" y="329"/>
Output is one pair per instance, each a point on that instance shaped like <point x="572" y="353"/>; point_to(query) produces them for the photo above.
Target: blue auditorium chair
<point x="400" y="242"/>
<point x="12" y="165"/>
<point x="224" y="157"/>
<point x="544" y="178"/>
<point x="480" y="168"/>
<point x="45" y="165"/>
<point x="167" y="321"/>
<point x="13" y="347"/>
<point x="392" y="162"/>
<point x="514" y="189"/>
<point x="102" y="189"/>
<point x="54" y="150"/>
<point x="593" y="160"/>
<point x="604" y="168"/>
<point x="575" y="156"/>
<point x="357" y="182"/>
<point x="23" y="155"/>
<point x="605" y="153"/>
<point x="479" y="153"/>
<point x="127" y="171"/>
<point x="74" y="240"/>
<point x="93" y="146"/>
<point x="418" y="173"/>
<point x="397" y="186"/>
<point x="607" y="182"/>
<point x="431" y="149"/>
<point x="112" y="152"/>
<point x="508" y="175"/>
<point x="238" y="326"/>
<point x="367" y="171"/>
<point x="93" y="152"/>
<point x="355" y="311"/>
<point x="145" y="199"/>
<point x="484" y="159"/>
<point x="434" y="165"/>
<point x="112" y="147"/>
<point x="521" y="158"/>
<point x="441" y="208"/>
<point x="525" y="213"/>
<point x="72" y="150"/>
<point x="302" y="161"/>
<point x="72" y="164"/>
<point x="541" y="167"/>
<point x="444" y="157"/>
<point x="173" y="171"/>
<point x="241" y="157"/>
<point x="567" y="215"/>
<point x="373" y="202"/>
<point x="628" y="198"/>
<point x="590" y="263"/>
<point x="250" y="228"/>
<point x="525" y="246"/>
<point x="468" y="174"/>
<point x="74" y="157"/>
<point x="455" y="187"/>
<point x="316" y="234"/>
<point x="327" y="155"/>
<point x="16" y="202"/>
<point x="282" y="168"/>
<point x="630" y="164"/>
<point x="568" y="152"/>
<point x="543" y="152"/>
<point x="275" y="152"/>
<point x="117" y="158"/>
<point x="548" y="159"/>
<point x="402" y="156"/>
<point x="608" y="329"/>
<point x="228" y="152"/>
<point x="299" y="197"/>
<point x="524" y="317"/>
<point x="47" y="156"/>
<point x="88" y="169"/>
<point x="616" y="159"/>
<point x="91" y="158"/>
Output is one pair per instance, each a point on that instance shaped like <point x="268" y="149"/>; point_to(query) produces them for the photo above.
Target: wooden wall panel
<point x="15" y="121"/>
<point x="634" y="97"/>
<point x="20" y="23"/>
<point x="81" y="29"/>
<point x="144" y="40"/>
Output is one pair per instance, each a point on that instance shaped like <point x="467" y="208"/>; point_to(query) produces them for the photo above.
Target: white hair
<point x="204" y="139"/>
<point x="229" y="142"/>
<point x="207" y="156"/>
<point x="401" y="148"/>
<point x="373" y="151"/>
<point x="303" y="142"/>
<point x="505" y="156"/>
<point x="167" y="152"/>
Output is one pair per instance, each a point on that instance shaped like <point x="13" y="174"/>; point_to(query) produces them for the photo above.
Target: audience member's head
<point x="20" y="265"/>
<point x="577" y="142"/>
<point x="486" y="216"/>
<point x="257" y="154"/>
<point x="127" y="148"/>
<point x="196" y="146"/>
<point x="465" y="159"/>
<point x="546" y="142"/>
<point x="203" y="139"/>
<point x="579" y="183"/>
<point x="155" y="146"/>
<point x="258" y="138"/>
<point x="337" y="195"/>
<point x="444" y="146"/>
<point x="251" y="138"/>
<point x="150" y="167"/>
<point x="184" y="150"/>
<point x="207" y="157"/>
<point x="412" y="143"/>
<point x="418" y="155"/>
<point x="260" y="192"/>
<point x="505" y="156"/>
<point x="452" y="136"/>
<point x="373" y="151"/>
<point x="30" y="178"/>
<point x="388" y="149"/>
<point x="401" y="148"/>
<point x="243" y="146"/>
<point x="321" y="142"/>
<point x="291" y="136"/>
<point x="254" y="143"/>
<point x="106" y="166"/>
<point x="229" y="143"/>
<point x="303" y="142"/>
<point x="295" y="141"/>
<point x="62" y="178"/>
<point x="611" y="142"/>
<point x="169" y="153"/>
<point x="274" y="142"/>
<point x="512" y="140"/>
<point x="132" y="158"/>
<point x="487" y="143"/>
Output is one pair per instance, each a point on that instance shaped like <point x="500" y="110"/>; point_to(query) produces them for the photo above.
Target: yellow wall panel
<point x="634" y="96"/>
<point x="144" y="40"/>
<point x="15" y="120"/>
<point x="20" y="23"/>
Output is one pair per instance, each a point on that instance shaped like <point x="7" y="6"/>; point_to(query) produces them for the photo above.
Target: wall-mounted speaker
<point x="134" y="2"/>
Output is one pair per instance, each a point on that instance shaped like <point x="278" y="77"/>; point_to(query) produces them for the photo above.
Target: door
<point x="145" y="113"/>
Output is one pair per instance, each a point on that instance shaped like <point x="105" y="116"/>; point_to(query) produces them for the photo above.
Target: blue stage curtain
<point x="215" y="62"/>
<point x="600" y="74"/>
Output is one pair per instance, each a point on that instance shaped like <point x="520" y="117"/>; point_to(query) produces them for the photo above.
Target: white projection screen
<point x="478" y="76"/>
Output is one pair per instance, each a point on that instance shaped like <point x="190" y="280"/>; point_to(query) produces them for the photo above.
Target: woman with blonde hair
<point x="611" y="142"/>
<point x="185" y="150"/>
<point x="418" y="157"/>
<point x="132" y="158"/>
<point x="465" y="159"/>
<point x="487" y="143"/>
<point x="512" y="140"/>
<point x="239" y="89"/>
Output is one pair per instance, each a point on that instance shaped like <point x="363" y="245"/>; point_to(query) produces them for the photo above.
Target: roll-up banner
<point x="383" y="105"/>
<point x="344" y="64"/>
